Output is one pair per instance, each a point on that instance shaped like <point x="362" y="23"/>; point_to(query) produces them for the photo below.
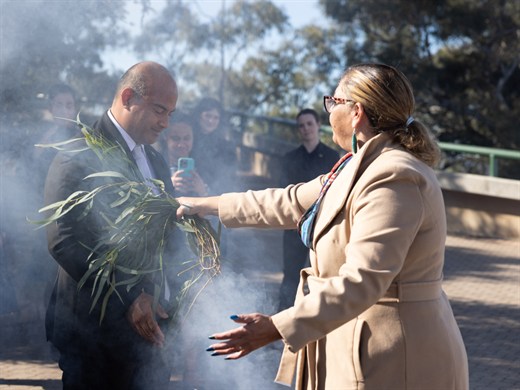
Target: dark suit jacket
<point x="69" y="320"/>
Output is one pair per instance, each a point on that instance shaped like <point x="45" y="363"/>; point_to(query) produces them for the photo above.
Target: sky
<point x="300" y="12"/>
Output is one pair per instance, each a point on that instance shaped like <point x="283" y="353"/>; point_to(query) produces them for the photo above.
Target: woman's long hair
<point x="204" y="105"/>
<point x="387" y="98"/>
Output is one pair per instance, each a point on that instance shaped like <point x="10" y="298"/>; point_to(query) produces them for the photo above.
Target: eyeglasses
<point x="329" y="102"/>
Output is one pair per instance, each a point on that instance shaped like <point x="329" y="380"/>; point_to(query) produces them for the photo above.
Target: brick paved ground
<point x="483" y="283"/>
<point x="482" y="279"/>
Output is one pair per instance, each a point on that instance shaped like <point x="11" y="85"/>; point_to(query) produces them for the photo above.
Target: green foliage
<point x="206" y="53"/>
<point x="137" y="228"/>
<point x="462" y="57"/>
<point x="173" y="35"/>
<point x="43" y="42"/>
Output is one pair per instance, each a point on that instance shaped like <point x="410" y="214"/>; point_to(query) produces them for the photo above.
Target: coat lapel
<point x="160" y="167"/>
<point x="336" y="197"/>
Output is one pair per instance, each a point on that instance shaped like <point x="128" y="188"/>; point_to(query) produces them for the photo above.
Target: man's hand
<point x="141" y="317"/>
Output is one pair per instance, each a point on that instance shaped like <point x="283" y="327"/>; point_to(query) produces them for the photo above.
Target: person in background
<point x="62" y="107"/>
<point x="311" y="159"/>
<point x="124" y="351"/>
<point x="177" y="143"/>
<point x="370" y="311"/>
<point x="8" y="301"/>
<point x="215" y="157"/>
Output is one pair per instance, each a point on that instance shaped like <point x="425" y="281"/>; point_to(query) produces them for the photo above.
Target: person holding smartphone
<point x="215" y="155"/>
<point x="177" y="146"/>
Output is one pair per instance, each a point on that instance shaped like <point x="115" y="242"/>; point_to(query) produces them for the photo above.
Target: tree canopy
<point x="462" y="56"/>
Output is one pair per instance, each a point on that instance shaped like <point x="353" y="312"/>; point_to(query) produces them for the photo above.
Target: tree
<point x="194" y="48"/>
<point x="174" y="35"/>
<point x="46" y="42"/>
<point x="462" y="57"/>
<point x="280" y="81"/>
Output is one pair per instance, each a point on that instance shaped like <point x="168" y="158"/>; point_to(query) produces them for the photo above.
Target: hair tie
<point x="409" y="121"/>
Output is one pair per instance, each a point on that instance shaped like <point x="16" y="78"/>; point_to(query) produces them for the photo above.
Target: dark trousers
<point x="88" y="365"/>
<point x="295" y="257"/>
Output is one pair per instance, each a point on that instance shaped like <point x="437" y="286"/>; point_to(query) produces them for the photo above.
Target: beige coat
<point x="375" y="316"/>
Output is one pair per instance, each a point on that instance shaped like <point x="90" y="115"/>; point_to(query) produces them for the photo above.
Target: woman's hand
<point x="199" y="187"/>
<point x="189" y="184"/>
<point x="258" y="330"/>
<point x="200" y="206"/>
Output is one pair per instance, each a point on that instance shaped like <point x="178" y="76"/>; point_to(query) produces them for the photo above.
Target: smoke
<point x="230" y="293"/>
<point x="35" y="45"/>
<point x="28" y="271"/>
<point x="30" y="60"/>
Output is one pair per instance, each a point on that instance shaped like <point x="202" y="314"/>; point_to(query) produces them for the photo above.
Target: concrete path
<point x="482" y="280"/>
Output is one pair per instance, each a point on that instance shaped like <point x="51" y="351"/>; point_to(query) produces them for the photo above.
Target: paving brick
<point x="482" y="280"/>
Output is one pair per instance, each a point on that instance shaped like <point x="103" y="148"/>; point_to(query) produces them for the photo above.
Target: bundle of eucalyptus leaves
<point x="137" y="225"/>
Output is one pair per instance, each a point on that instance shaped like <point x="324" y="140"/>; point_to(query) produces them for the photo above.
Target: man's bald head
<point x="146" y="95"/>
<point x="142" y="77"/>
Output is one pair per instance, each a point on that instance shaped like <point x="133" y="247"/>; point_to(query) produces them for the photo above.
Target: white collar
<point x="129" y="141"/>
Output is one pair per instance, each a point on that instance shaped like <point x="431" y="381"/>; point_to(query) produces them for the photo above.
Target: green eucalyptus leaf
<point x="135" y="227"/>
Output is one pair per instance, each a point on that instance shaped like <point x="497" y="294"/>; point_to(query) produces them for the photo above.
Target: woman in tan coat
<point x="370" y="312"/>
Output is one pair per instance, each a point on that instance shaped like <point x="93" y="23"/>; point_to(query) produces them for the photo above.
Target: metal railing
<point x="492" y="153"/>
<point x="284" y="129"/>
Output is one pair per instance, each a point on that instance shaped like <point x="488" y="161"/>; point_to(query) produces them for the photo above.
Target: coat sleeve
<point x="69" y="237"/>
<point x="72" y="237"/>
<point x="279" y="208"/>
<point x="383" y="216"/>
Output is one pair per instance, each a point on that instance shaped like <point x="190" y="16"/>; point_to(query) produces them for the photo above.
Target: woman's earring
<point x="354" y="142"/>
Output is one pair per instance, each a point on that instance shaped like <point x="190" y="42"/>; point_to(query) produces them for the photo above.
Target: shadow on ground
<point x="490" y="331"/>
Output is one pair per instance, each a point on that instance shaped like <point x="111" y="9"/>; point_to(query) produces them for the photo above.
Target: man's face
<point x="63" y="106"/>
<point x="150" y="115"/>
<point x="308" y="128"/>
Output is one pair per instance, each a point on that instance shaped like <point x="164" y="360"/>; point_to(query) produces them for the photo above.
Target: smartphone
<point x="186" y="164"/>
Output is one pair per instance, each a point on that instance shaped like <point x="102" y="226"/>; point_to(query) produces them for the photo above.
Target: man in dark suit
<point x="311" y="159"/>
<point x="125" y="350"/>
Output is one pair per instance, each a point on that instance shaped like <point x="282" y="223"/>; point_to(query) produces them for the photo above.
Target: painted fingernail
<point x="211" y="337"/>
<point x="234" y="317"/>
<point x="210" y="349"/>
<point x="215" y="354"/>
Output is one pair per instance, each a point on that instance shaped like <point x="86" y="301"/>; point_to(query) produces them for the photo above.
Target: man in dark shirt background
<point x="311" y="159"/>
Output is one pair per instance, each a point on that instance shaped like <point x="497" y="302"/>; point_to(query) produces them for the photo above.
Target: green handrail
<point x="491" y="153"/>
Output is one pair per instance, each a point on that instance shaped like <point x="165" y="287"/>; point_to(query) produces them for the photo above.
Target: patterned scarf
<point x="306" y="223"/>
